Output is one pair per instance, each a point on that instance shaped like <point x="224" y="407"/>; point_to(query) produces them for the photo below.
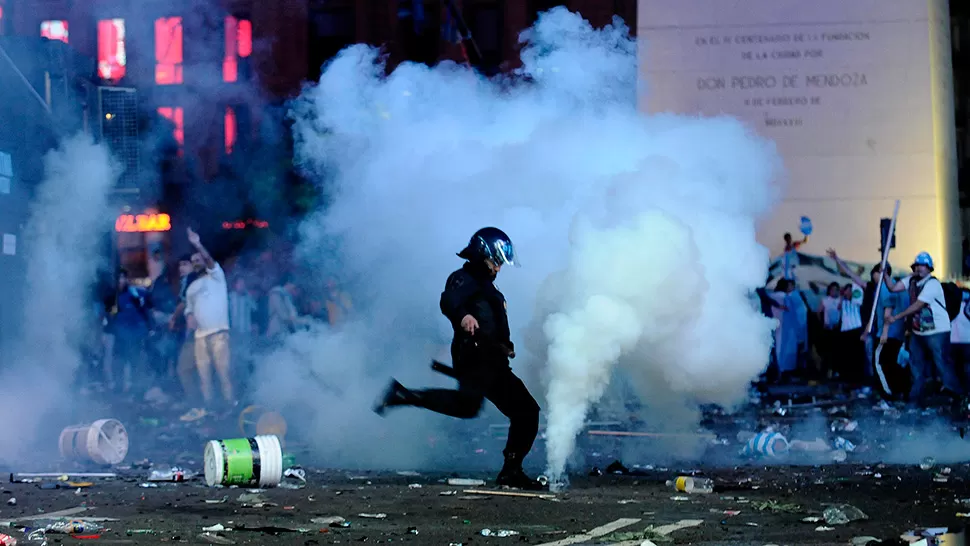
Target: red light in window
<point x="239" y="45"/>
<point x="111" y="49"/>
<point x="175" y="115"/>
<point x="230" y="130"/>
<point x="244" y="37"/>
<point x="168" y="50"/>
<point x="243" y="224"/>
<point x="54" y="30"/>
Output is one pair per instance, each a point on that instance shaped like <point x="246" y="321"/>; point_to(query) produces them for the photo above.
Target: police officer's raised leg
<point x="462" y="403"/>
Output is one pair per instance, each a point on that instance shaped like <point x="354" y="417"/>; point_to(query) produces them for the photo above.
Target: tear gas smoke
<point x="62" y="263"/>
<point x="637" y="233"/>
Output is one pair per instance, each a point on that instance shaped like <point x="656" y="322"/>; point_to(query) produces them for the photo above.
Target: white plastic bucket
<point x="104" y="441"/>
<point x="247" y="462"/>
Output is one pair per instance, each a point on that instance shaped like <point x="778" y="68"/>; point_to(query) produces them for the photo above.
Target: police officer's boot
<point x="512" y="474"/>
<point x="395" y="395"/>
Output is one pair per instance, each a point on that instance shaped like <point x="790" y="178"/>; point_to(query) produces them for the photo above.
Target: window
<point x="54" y="30"/>
<point x="331" y="28"/>
<point x="6" y="172"/>
<point x="177" y="118"/>
<point x="111" y="49"/>
<point x="168" y="50"/>
<point x="485" y="20"/>
<point x="239" y="45"/>
<point x="230" y="129"/>
<point x="237" y="128"/>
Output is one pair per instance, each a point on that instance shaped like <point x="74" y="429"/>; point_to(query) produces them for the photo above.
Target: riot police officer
<point x="480" y="352"/>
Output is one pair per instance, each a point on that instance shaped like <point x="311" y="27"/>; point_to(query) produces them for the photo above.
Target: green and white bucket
<point x="247" y="462"/>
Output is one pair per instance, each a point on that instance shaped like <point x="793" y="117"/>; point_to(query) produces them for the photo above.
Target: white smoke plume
<point x="62" y="240"/>
<point x="636" y="234"/>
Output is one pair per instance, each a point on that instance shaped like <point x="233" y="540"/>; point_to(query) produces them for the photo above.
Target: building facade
<point x="212" y="78"/>
<point x="208" y="65"/>
<point x="28" y="133"/>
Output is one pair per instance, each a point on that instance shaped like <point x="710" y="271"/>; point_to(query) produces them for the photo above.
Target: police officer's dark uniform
<point x="481" y="360"/>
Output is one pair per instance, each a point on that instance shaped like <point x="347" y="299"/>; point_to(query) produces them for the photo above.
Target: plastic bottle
<point x="687" y="484"/>
<point x="175" y="474"/>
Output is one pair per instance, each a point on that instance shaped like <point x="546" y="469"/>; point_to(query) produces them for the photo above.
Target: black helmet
<point x="490" y="244"/>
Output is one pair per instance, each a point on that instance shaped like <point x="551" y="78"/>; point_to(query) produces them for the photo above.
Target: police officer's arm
<point x="459" y="290"/>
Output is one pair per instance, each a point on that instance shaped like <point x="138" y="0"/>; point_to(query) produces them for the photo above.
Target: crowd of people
<point x="199" y="326"/>
<point x="194" y="326"/>
<point x="911" y="343"/>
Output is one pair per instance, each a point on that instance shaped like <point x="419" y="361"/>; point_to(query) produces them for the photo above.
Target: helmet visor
<point x="503" y="253"/>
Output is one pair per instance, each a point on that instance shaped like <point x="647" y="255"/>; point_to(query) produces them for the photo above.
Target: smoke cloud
<point x="637" y="236"/>
<point x="63" y="240"/>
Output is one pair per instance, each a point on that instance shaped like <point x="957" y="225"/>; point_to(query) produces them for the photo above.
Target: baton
<point x="444" y="369"/>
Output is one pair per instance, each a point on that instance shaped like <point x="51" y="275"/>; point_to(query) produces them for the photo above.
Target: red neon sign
<point x="243" y="224"/>
<point x="143" y="223"/>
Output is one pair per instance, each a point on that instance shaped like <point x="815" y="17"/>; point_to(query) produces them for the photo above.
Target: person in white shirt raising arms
<point x="207" y="312"/>
<point x="930" y="325"/>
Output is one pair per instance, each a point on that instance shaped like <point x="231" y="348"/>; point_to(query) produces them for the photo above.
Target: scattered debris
<point x="296" y="473"/>
<point x="939" y="535"/>
<point x="688" y="484"/>
<point x="600" y="531"/>
<point x="213" y="538"/>
<point x="822" y="528"/>
<point x="62" y="514"/>
<point x="773" y="506"/>
<point x="465" y="482"/>
<point x="842" y="514"/>
<point x="372" y="516"/>
<point x="174" y="474"/>
<point x="104" y="441"/>
<point x="499" y="533"/>
<point x="652" y="533"/>
<point x="216" y="528"/>
<point x="74" y="527"/>
<point x="509" y="494"/>
<point x="332" y="521"/>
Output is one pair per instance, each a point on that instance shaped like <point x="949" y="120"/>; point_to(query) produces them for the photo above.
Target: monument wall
<point x="857" y="94"/>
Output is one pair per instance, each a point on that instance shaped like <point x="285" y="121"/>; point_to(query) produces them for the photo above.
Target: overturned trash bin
<point x="104" y="442"/>
<point x="256" y="461"/>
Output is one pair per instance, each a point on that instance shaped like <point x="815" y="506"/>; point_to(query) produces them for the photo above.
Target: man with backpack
<point x="928" y="319"/>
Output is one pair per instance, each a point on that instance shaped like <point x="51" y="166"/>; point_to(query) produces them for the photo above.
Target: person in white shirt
<point x="853" y="348"/>
<point x="828" y="311"/>
<point x="930" y="324"/>
<point x="960" y="340"/>
<point x="207" y="312"/>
